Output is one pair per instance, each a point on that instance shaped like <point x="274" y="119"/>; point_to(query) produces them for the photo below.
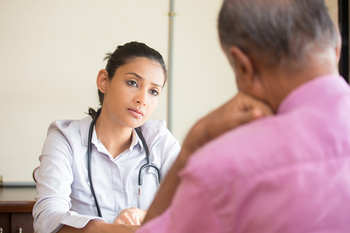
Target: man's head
<point x="282" y="35"/>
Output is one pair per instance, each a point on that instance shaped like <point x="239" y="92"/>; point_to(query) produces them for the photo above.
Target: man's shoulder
<point x="308" y="132"/>
<point x="237" y="149"/>
<point x="250" y="148"/>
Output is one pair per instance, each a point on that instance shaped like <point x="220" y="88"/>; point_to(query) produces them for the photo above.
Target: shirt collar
<point x="85" y="126"/>
<point x="84" y="129"/>
<point x="135" y="140"/>
<point x="316" y="88"/>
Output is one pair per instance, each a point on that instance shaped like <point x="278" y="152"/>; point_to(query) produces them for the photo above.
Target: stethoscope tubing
<point x="148" y="163"/>
<point x="89" y="168"/>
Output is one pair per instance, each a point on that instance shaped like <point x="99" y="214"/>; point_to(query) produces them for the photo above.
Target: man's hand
<point x="237" y="111"/>
<point x="131" y="216"/>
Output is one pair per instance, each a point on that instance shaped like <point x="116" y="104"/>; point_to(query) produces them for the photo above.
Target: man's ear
<point x="102" y="80"/>
<point x="242" y="66"/>
<point x="339" y="45"/>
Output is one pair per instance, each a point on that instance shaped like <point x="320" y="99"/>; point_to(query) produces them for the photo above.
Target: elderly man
<point x="286" y="173"/>
<point x="289" y="172"/>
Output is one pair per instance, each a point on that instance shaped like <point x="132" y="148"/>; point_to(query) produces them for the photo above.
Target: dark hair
<point x="123" y="55"/>
<point x="282" y="31"/>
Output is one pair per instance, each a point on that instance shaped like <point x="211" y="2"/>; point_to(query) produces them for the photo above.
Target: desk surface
<point x="17" y="199"/>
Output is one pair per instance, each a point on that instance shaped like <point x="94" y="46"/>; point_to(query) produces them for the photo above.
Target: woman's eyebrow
<point x="139" y="77"/>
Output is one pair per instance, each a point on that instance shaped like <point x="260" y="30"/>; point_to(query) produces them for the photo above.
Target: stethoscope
<point x="146" y="165"/>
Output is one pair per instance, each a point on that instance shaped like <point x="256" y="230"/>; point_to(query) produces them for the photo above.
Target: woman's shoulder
<point x="163" y="145"/>
<point x="69" y="128"/>
<point x="156" y="130"/>
<point x="63" y="125"/>
<point x="69" y="125"/>
<point x="154" y="126"/>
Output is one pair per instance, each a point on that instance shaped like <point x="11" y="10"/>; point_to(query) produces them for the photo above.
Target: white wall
<point x="202" y="78"/>
<point x="50" y="54"/>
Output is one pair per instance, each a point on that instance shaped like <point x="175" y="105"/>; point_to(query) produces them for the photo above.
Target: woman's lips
<point x="135" y="112"/>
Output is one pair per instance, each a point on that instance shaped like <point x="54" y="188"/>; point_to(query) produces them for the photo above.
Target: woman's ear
<point x="102" y="80"/>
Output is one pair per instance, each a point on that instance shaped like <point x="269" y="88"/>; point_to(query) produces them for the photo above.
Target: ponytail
<point x="94" y="114"/>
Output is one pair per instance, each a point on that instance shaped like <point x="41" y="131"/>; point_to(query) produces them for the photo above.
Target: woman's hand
<point x="131" y="216"/>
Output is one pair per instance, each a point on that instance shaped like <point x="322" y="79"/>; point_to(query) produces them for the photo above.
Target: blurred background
<point x="51" y="52"/>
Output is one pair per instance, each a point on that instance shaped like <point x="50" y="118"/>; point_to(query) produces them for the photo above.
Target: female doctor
<point x="105" y="169"/>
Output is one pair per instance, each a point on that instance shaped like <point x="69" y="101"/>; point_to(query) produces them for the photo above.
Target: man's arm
<point x="239" y="110"/>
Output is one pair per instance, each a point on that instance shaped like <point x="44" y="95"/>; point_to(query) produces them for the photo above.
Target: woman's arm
<point x="100" y="227"/>
<point x="128" y="220"/>
<point x="54" y="180"/>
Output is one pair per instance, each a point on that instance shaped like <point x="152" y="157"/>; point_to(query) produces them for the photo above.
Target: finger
<point x="133" y="219"/>
<point x="248" y="102"/>
<point x="135" y="215"/>
<point x="250" y="115"/>
<point x="137" y="220"/>
<point x="142" y="215"/>
<point x="126" y="219"/>
<point x="119" y="221"/>
<point x="263" y="109"/>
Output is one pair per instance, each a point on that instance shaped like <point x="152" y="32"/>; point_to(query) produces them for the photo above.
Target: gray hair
<point x="277" y="32"/>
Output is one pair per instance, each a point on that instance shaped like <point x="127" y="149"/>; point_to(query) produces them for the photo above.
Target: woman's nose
<point x="141" y="98"/>
<point x="143" y="103"/>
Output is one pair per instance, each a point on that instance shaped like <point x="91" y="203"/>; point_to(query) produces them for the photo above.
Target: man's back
<point x="289" y="172"/>
<point x="286" y="173"/>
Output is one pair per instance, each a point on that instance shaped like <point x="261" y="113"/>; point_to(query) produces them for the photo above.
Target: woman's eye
<point x="132" y="83"/>
<point x="154" y="92"/>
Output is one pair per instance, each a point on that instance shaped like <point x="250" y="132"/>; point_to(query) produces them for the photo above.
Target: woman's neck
<point x="113" y="135"/>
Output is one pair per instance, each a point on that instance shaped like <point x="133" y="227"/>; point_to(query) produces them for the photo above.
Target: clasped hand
<point x="131" y="216"/>
<point x="239" y="110"/>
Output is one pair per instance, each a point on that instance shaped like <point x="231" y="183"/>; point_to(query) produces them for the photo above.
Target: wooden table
<point x="16" y="204"/>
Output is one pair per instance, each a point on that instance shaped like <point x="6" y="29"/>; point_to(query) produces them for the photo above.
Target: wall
<point x="203" y="79"/>
<point x="332" y="6"/>
<point x="50" y="53"/>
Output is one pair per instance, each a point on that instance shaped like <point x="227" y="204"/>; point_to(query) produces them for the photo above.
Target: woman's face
<point x="133" y="93"/>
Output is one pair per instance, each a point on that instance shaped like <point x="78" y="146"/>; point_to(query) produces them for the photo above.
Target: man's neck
<point x="280" y="83"/>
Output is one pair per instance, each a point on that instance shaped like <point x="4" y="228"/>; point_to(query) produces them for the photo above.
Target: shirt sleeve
<point x="54" y="179"/>
<point x="191" y="211"/>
